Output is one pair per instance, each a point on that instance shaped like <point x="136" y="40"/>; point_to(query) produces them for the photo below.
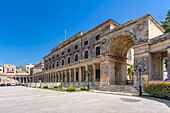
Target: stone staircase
<point x="119" y="88"/>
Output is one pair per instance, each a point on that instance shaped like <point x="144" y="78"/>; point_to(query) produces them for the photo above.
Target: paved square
<point x="18" y="99"/>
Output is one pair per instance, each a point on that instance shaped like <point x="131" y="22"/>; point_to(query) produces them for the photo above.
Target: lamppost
<point x="87" y="74"/>
<point x="140" y="68"/>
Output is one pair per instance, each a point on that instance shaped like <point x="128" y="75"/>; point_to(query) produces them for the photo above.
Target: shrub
<point x="26" y="85"/>
<point x="22" y="84"/>
<point x="45" y="86"/>
<point x="84" y="88"/>
<point x="55" y="86"/>
<point x="71" y="89"/>
<point x="33" y="87"/>
<point x="60" y="86"/>
<point x="157" y="89"/>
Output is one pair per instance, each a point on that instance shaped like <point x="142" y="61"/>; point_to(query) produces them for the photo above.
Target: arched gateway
<point x="103" y="51"/>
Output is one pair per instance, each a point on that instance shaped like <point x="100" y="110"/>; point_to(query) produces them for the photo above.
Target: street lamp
<point x="88" y="73"/>
<point x="140" y="68"/>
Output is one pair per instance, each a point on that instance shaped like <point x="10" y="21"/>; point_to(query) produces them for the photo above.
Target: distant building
<point x="9" y="69"/>
<point x="29" y="66"/>
<point x="35" y="70"/>
<point x="40" y="64"/>
<point x="1" y="70"/>
<point x="21" y="69"/>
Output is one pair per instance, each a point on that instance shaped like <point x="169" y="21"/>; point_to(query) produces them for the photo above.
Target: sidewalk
<point x="115" y="93"/>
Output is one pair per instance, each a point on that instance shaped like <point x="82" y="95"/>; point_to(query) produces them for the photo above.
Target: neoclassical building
<point x="103" y="51"/>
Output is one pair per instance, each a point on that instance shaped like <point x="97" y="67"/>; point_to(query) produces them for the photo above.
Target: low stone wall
<point x="119" y="88"/>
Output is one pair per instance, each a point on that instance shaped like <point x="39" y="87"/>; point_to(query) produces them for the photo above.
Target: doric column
<point x="11" y="80"/>
<point x="19" y="79"/>
<point x="65" y="76"/>
<point x="94" y="73"/>
<point x="55" y="77"/>
<point x="80" y="74"/>
<point x="69" y="75"/>
<point x="168" y="50"/>
<point x="86" y="69"/>
<point x="74" y="74"/>
<point x="61" y="75"/>
<point x="58" y="76"/>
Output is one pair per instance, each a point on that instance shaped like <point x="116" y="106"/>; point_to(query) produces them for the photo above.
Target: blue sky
<point x="29" y="29"/>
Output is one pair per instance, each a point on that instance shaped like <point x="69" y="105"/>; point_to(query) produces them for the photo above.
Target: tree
<point x="166" y="24"/>
<point x="131" y="71"/>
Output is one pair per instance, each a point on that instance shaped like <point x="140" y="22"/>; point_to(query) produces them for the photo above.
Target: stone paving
<point x="18" y="99"/>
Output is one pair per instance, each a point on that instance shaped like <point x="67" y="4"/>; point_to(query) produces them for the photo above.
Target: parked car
<point x="2" y="84"/>
<point x="8" y="84"/>
<point x="17" y="84"/>
<point x="13" y="84"/>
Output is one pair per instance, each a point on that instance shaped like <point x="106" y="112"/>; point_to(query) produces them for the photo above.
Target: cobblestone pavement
<point x="18" y="99"/>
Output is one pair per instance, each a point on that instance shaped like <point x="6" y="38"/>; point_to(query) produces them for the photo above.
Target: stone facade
<point x="103" y="51"/>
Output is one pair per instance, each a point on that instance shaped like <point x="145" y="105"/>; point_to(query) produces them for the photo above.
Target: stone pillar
<point x="11" y="80"/>
<point x="86" y="69"/>
<point x="58" y="76"/>
<point x="62" y="76"/>
<point x="50" y="77"/>
<point x="55" y="77"/>
<point x="107" y="72"/>
<point x="80" y="75"/>
<point x="74" y="74"/>
<point x="19" y="79"/>
<point x="23" y="80"/>
<point x="65" y="76"/>
<point x="69" y="75"/>
<point x="168" y="50"/>
<point x="94" y="73"/>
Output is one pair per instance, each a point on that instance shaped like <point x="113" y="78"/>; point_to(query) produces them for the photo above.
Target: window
<point x="86" y="43"/>
<point x="62" y="53"/>
<point x="76" y="57"/>
<point x="76" y="47"/>
<point x="49" y="59"/>
<point x="98" y="50"/>
<point x="57" y="64"/>
<point x="13" y="69"/>
<point x="86" y="54"/>
<point x="68" y="50"/>
<point x="46" y="60"/>
<point x="97" y="74"/>
<point x="0" y="69"/>
<point x="97" y="37"/>
<point x="68" y="60"/>
<point x="53" y="57"/>
<point x="7" y="69"/>
<point x="62" y="62"/>
<point x="49" y="66"/>
<point x="46" y="68"/>
<point x="57" y="55"/>
<point x="53" y="65"/>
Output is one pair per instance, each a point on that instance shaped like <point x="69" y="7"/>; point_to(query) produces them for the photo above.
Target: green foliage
<point x="166" y="24"/>
<point x="84" y="88"/>
<point x="166" y="63"/>
<point x="33" y="87"/>
<point x="60" y="86"/>
<point x="45" y="86"/>
<point x="26" y="85"/>
<point x="22" y="85"/>
<point x="55" y="86"/>
<point x="157" y="89"/>
<point x="131" y="70"/>
<point x="71" y="89"/>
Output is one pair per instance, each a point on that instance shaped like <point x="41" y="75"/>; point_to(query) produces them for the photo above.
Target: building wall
<point x="1" y="70"/>
<point x="9" y="69"/>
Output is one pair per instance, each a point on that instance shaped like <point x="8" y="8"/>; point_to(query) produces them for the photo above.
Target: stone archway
<point x="118" y="49"/>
